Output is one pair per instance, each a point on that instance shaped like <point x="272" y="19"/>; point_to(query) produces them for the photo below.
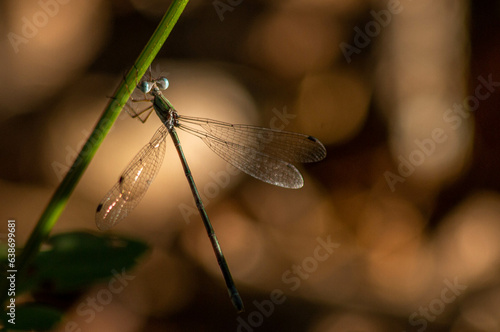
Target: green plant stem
<point x="60" y="198"/>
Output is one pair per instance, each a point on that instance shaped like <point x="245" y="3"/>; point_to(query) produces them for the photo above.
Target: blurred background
<point x="396" y="230"/>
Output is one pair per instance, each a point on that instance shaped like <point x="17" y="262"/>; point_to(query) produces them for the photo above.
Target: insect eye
<point x="162" y="83"/>
<point x="145" y="86"/>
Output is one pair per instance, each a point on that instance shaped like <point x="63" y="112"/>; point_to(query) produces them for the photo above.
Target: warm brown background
<point x="399" y="248"/>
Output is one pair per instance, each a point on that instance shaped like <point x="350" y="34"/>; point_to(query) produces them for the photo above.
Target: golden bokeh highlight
<point x="333" y="105"/>
<point x="401" y="216"/>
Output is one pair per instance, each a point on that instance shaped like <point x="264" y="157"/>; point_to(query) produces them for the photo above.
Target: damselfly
<point x="263" y="153"/>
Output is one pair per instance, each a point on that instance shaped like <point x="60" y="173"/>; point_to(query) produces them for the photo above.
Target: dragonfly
<point x="264" y="153"/>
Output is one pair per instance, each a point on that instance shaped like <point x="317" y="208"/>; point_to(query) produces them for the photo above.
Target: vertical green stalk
<point x="122" y="94"/>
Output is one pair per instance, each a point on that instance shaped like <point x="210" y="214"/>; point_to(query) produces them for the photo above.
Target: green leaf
<point x="61" y="196"/>
<point x="77" y="259"/>
<point x="30" y="316"/>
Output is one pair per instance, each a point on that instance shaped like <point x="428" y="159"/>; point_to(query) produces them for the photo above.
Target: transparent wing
<point x="263" y="153"/>
<point x="133" y="183"/>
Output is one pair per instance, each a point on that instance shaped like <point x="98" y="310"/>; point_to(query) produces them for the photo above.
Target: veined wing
<point x="284" y="145"/>
<point x="263" y="153"/>
<point x="133" y="183"/>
